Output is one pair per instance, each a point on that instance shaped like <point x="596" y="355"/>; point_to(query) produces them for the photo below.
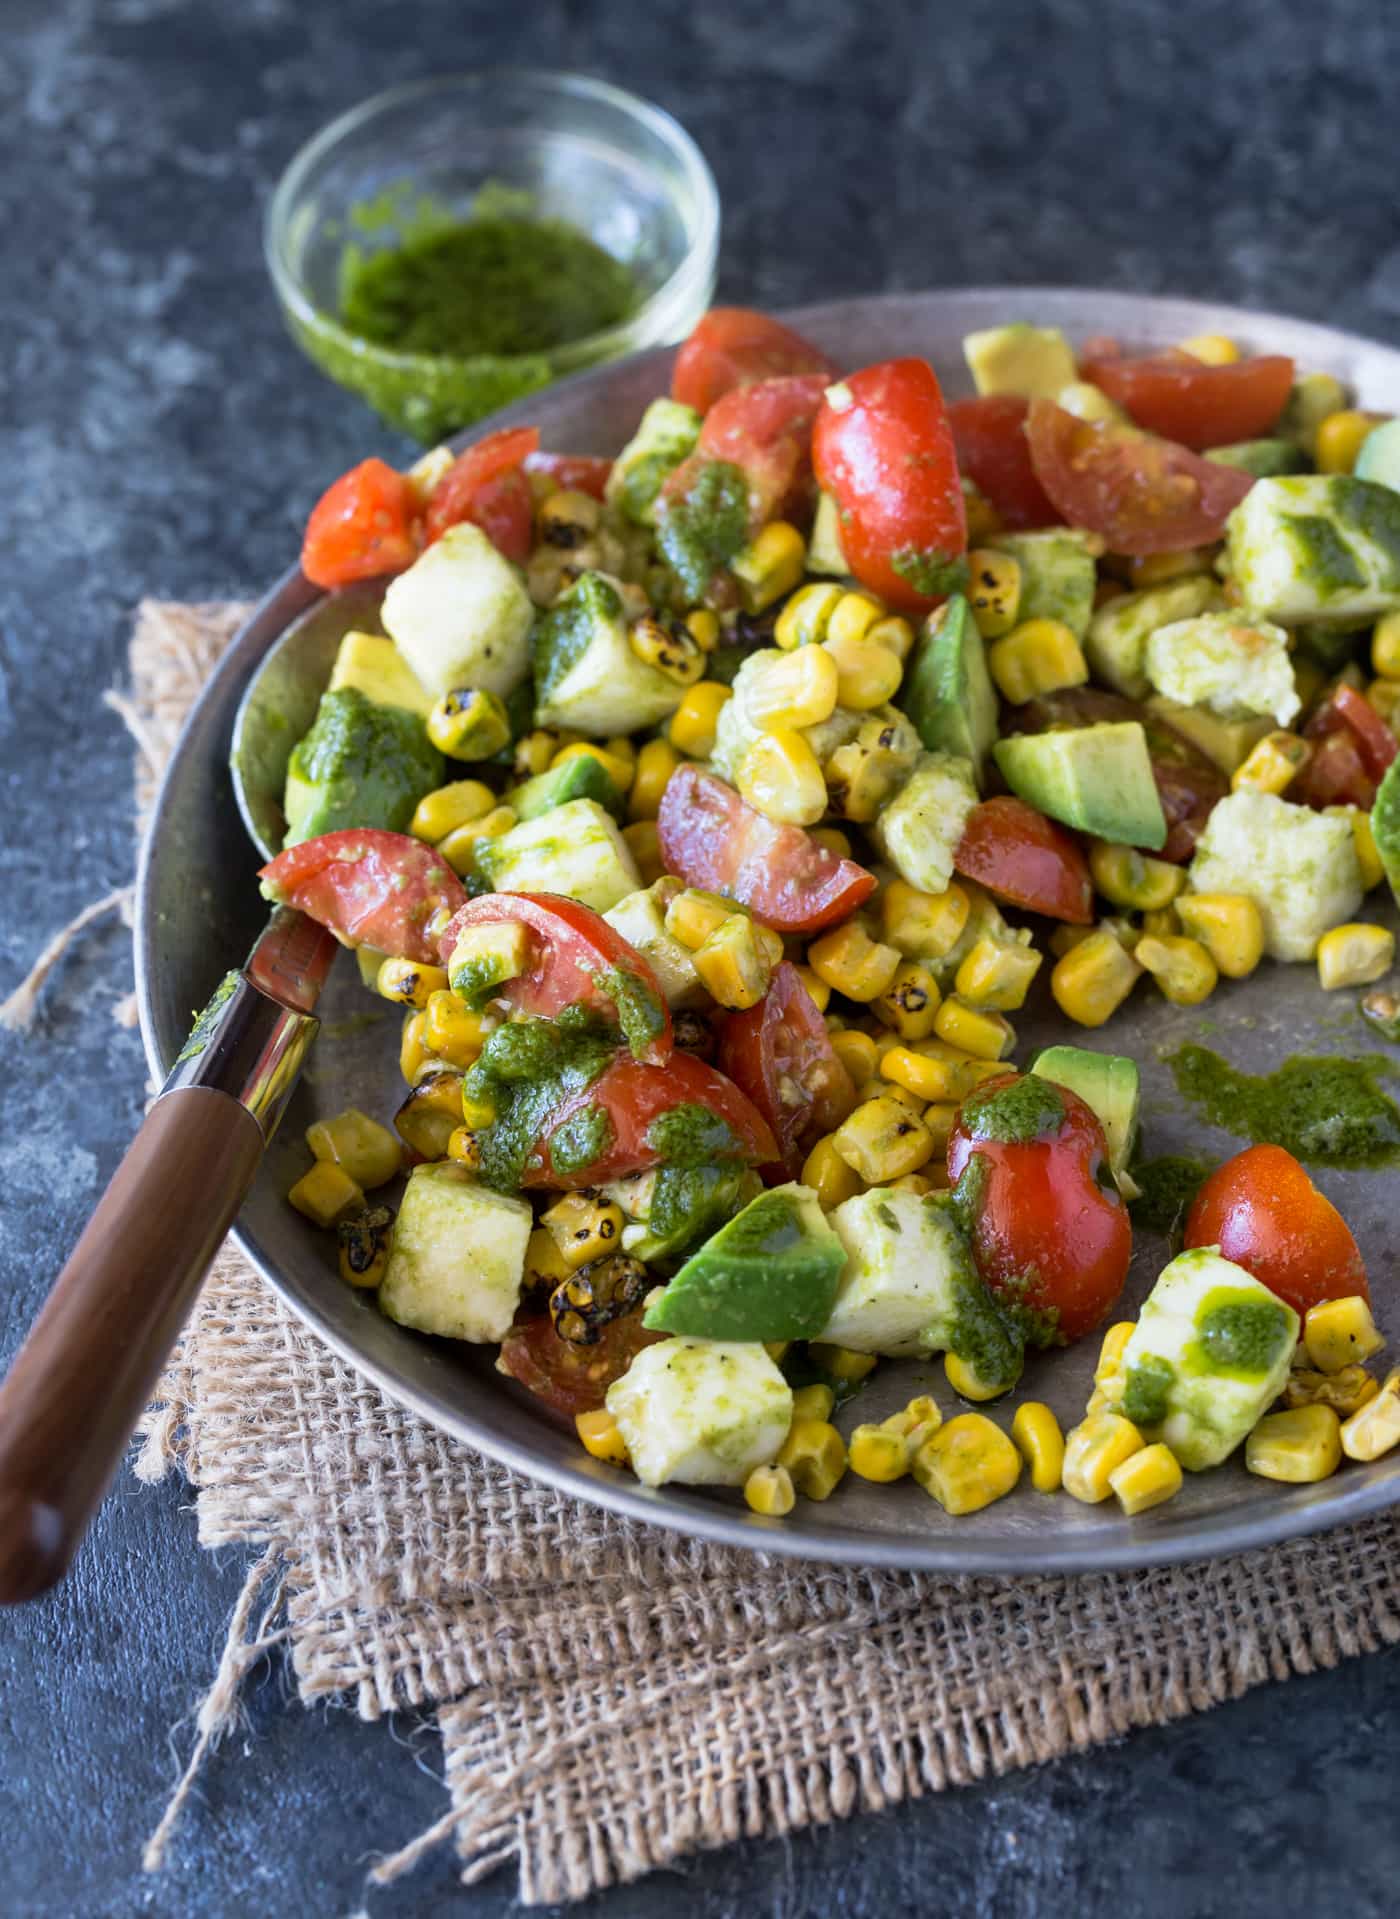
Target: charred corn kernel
<point x="1216" y="349"/>
<point x="1115" y="1344"/>
<point x="812" y="1402"/>
<point x="430" y="1115"/>
<point x="702" y="624"/>
<point x="1364" y="839"/>
<point x="1094" y="1449"/>
<point x="451" y="1031"/>
<point x="326" y="1193"/>
<point x="771" y="565"/>
<point x="919" y="1184"/>
<point x="668" y="646"/>
<point x="1345" y="1392"/>
<point x="769" y="1490"/>
<point x="828" y="1175"/>
<point x="1182" y="968"/>
<point x="1228" y="925"/>
<point x="1161" y="923"/>
<point x="817" y="989"/>
<point x="656" y="762"/>
<point x="566" y="518"/>
<point x="814" y="1454"/>
<point x="693" y="915"/>
<point x="894" y="633"/>
<point x="1036" y="1435"/>
<point x="469" y="724"/>
<point x="440" y="813"/>
<point x="1145" y="1479"/>
<point x="803" y="621"/>
<point x="882" y="1140"/>
<point x="644" y="842"/>
<point x="979" y="1030"/>
<point x="464" y="1146"/>
<point x="618" y="767"/>
<point x="1064" y="939"/>
<point x="867" y="675"/>
<point x="363" y="1244"/>
<point x="909" y="1004"/>
<point x="833" y="840"/>
<point x="926" y="926"/>
<point x="1039" y="656"/>
<point x="692" y="729"/>
<point x="840" y="1361"/>
<point x="428" y="470"/>
<point x="599" y="1435"/>
<point x="781" y="777"/>
<point x="983" y="520"/>
<point x="1340" y="437"/>
<point x="935" y="1071"/>
<point x="1340" y="1332"/>
<point x="997" y="974"/>
<point x="856" y="1052"/>
<point x="967" y="1464"/>
<point x="1092" y="980"/>
<point x="409" y="983"/>
<point x="734" y="964"/>
<point x="413" y="1053"/>
<point x="459" y="848"/>
<point x="993" y="590"/>
<point x="852" y="963"/>
<point x="1375" y="1429"/>
<point x="852" y="618"/>
<point x="1385" y="647"/>
<point x="534" y="753"/>
<point x="878" y="1454"/>
<point x="886" y="1089"/>
<point x="1129" y="878"/>
<point x="1272" y="764"/>
<point x="968" y="1383"/>
<point x="363" y="1149"/>
<point x="1354" y="955"/>
<point x="1299" y="1446"/>
<point x="862" y="774"/>
<point x="583" y="1225"/>
<point x="793" y="690"/>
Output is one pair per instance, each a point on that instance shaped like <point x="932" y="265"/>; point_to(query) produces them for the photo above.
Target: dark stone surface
<point x="159" y="435"/>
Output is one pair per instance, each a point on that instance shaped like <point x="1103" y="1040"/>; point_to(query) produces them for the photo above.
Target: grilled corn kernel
<point x="1183" y="968"/>
<point x="363" y="1246"/>
<point x="363" y="1149"/>
<point x="486" y="955"/>
<point x="1146" y="1478"/>
<point x="733" y="964"/>
<point x="469" y="724"/>
<point x="1299" y="1446"/>
<point x="1385" y="647"/>
<point x="993" y="590"/>
<point x="840" y="1361"/>
<point x="643" y="839"/>
<point x="693" y="724"/>
<point x="1036" y="1434"/>
<point x="771" y="565"/>
<point x="817" y="989"/>
<point x="878" y="1454"/>
<point x="668" y="646"/>
<point x="1364" y="839"/>
<point x="924" y="926"/>
<point x="1129" y="878"/>
<point x="583" y="1225"/>
<point x="693" y="915"/>
<point x="792" y="690"/>
<point x="1039" y="656"/>
<point x="968" y="1383"/>
<point x="1092" y="980"/>
<point x="451" y="1031"/>
<point x="983" y="520"/>
<point x="1340" y="437"/>
<point x="828" y="1175"/>
<point x="967" y="1464"/>
<point x="996" y="974"/>
<point x="862" y="774"/>
<point x="599" y="1434"/>
<point x="656" y="762"/>
<point x="857" y="1053"/>
<point x="441" y="812"/>
<point x="814" y="1454"/>
<point x="909" y="1004"/>
<point x="812" y="1402"/>
<point x="803" y="621"/>
<point x="1345" y="1392"/>
<point x="852" y="963"/>
<point x="919" y="1184"/>
<point x="1216" y="349"/>
<point x="431" y="1114"/>
<point x="894" y="633"/>
<point x="852" y="618"/>
<point x="325" y="1193"/>
<point x="1161" y="923"/>
<point x="409" y="983"/>
<point x="886" y="1089"/>
<point x="1094" y="1449"/>
<point x="459" y="848"/>
<point x="1354" y="955"/>
<point x="413" y="1053"/>
<point x="868" y="675"/>
<point x="1228" y="925"/>
<point x="1115" y="1344"/>
<point x="882" y="1140"/>
<point x="769" y="1490"/>
<point x="1272" y="764"/>
<point x="978" y="1030"/>
<point x="1375" y="1429"/>
<point x="935" y="1071"/>
<point x="1340" y="1332"/>
<point x="781" y="777"/>
<point x="1064" y="939"/>
<point x="545" y="1265"/>
<point x="534" y="752"/>
<point x="464" y="1146"/>
<point x="619" y="767"/>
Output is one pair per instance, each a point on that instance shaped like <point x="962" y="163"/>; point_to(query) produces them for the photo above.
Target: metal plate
<point x="198" y="911"/>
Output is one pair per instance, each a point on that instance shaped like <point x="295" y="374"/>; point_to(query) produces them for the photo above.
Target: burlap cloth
<point x="612" y="1697"/>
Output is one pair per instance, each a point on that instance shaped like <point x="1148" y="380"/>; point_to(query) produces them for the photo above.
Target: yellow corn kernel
<point x="852" y="618"/>
<point x="702" y="624"/>
<point x="599" y="1434"/>
<point x="814" y="1454"/>
<point x="835" y="842"/>
<point x="428" y="471"/>
<point x="459" y="848"/>
<point x="1354" y="955"/>
<point x="1385" y="647"/>
<point x="792" y="690"/>
<point x="656" y="762"/>
<point x="925" y="926"/>
<point x="1182" y="968"/>
<point x="1092" y="980"/>
<point x="812" y="1402"/>
<point x="856" y="1052"/>
<point x="566" y="518"/>
<point x="464" y="1146"/>
<point x="997" y="974"/>
<point x="983" y="520"/>
<point x="967" y="1464"/>
<point x="803" y="621"/>
<point x="693" y="915"/>
<point x="1161" y="923"/>
<point x="993" y="590"/>
<point x="1272" y="764"/>
<point x="617" y="766"/>
<point x="1216" y="349"/>
<point x="451" y="1031"/>
<point x="409" y="983"/>
<point x="962" y="1375"/>
<point x="1094" y="1449"/>
<point x="477" y="1113"/>
<point x="1064" y="939"/>
<point x="894" y="633"/>
<point x="1299" y="1446"/>
<point x="867" y="675"/>
<point x="441" y="812"/>
<point x="545" y="1265"/>
<point x="326" y="1193"/>
<point x="534" y="752"/>
<point x="1375" y="1430"/>
<point x="877" y="1454"/>
<point x="1364" y="839"/>
<point x="916" y="1422"/>
<point x="363" y="1149"/>
<point x="886" y="1089"/>
<point x="1036" y="1435"/>
<point x="1146" y="1478"/>
<point x="692" y="729"/>
<point x="413" y="1053"/>
<point x="1039" y="656"/>
<point x="1345" y="1392"/>
<point x="852" y="963"/>
<point x="1229" y="926"/>
<point x="817" y="989"/>
<point x="669" y="646"/>
<point x="883" y="1140"/>
<point x="919" y="1184"/>
<point x="733" y="965"/>
<point x="769" y="1490"/>
<point x="828" y="1175"/>
<point x="862" y="774"/>
<point x="469" y="724"/>
<point x="1340" y="1332"/>
<point x="1340" y="437"/>
<point x="1115" y="1345"/>
<point x="363" y="1249"/>
<point x="909" y="1004"/>
<point x="978" y="1030"/>
<point x="1129" y="878"/>
<point x="933" y="1070"/>
<point x="643" y="839"/>
<point x="583" y="1225"/>
<point x="781" y="777"/>
<point x="771" y="565"/>
<point x="431" y="1113"/>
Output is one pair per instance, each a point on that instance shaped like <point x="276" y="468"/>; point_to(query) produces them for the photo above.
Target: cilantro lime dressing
<point x="928" y="571"/>
<point x="526" y="1071"/>
<point x="691" y="1135"/>
<point x="704" y="526"/>
<point x="583" y="1138"/>
<point x="639" y="1010"/>
<point x="560" y="636"/>
<point x="1326" y="1110"/>
<point x="1147" y="1391"/>
<point x="1243" y="1335"/>
<point x="1027" y="1109"/>
<point x="1168" y="1186"/>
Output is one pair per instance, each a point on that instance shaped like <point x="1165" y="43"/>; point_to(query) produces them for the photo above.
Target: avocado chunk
<point x="1263" y="458"/>
<point x="824" y="553"/>
<point x="770" y="1273"/>
<point x="919" y="829"/>
<point x="461" y="616"/>
<point x="375" y="666"/>
<point x="574" y="849"/>
<point x="1379" y="458"/>
<point x="1116" y="641"/>
<point x="641" y="920"/>
<point x="586" y="675"/>
<point x="1385" y="825"/>
<point x="360" y="765"/>
<point x="1316" y="546"/>
<point x="1110" y="1084"/>
<point x="666" y="433"/>
<point x="457" y="1261"/>
<point x="1097" y="778"/>
<point x="1314" y="396"/>
<point x="1057" y="576"/>
<point x="671" y="1209"/>
<point x="1228" y="742"/>
<point x="579" y="778"/>
<point x="948" y="692"/>
<point x="1031" y="360"/>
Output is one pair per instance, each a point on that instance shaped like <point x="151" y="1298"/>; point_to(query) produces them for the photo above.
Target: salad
<point x="712" y="810"/>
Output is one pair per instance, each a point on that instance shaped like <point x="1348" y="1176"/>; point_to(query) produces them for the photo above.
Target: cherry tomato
<point x="1352" y="747"/>
<point x="576" y="472"/>
<point x="485" y="485"/>
<point x="1262" y="1211"/>
<point x="370" y="888"/>
<point x="713" y="839"/>
<point x="780" y="1054"/>
<point x="885" y="449"/>
<point x="571" y="1379"/>
<point x="1050" y="1233"/>
<point x="363" y="526"/>
<point x="1143" y="495"/>
<point x="766" y="431"/>
<point x="733" y="347"/>
<point x="1377" y="743"/>
<point x="1197" y="405"/>
<point x="573" y="951"/>
<point x="994" y="453"/>
<point x="1021" y="856"/>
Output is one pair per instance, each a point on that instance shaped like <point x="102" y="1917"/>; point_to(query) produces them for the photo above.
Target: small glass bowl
<point x="621" y="171"/>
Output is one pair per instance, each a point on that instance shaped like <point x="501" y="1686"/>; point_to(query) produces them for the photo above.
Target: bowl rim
<point x="628" y="335"/>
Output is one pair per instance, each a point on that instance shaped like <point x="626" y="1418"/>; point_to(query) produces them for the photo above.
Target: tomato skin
<point x="1047" y="1234"/>
<point x="1143" y="495"/>
<point x="887" y="455"/>
<point x="1262" y="1211"/>
<point x="571" y="1379"/>
<point x="713" y="839"/>
<point x="1023" y="857"/>
<point x="576" y="472"/>
<point x="571" y="945"/>
<point x="485" y="485"/>
<point x="989" y="432"/>
<point x="1197" y="405"/>
<point x="363" y="525"/>
<point x="370" y="888"/>
<point x="734" y="347"/>
<point x="1352" y="747"/>
<point x="766" y="431"/>
<point x="779" y="1053"/>
<point x="1377" y="744"/>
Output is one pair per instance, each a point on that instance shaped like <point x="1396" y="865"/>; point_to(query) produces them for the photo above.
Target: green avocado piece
<point x="1385" y="825"/>
<point x="1019" y="358"/>
<point x="1314" y="396"/>
<point x="948" y="692"/>
<point x="360" y="765"/>
<point x="1379" y="458"/>
<point x="579" y="778"/>
<point x="1109" y="1083"/>
<point x="1262" y="458"/>
<point x="770" y="1273"/>
<point x="1096" y="778"/>
<point x="824" y="553"/>
<point x="1057" y="576"/>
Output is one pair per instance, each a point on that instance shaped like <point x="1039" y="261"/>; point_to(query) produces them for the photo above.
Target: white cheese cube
<point x="1316" y="546"/>
<point x="1230" y="663"/>
<point x="575" y="849"/>
<point x="1299" y="867"/>
<point x="703" y="1412"/>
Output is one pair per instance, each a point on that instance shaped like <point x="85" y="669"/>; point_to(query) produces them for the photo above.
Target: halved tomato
<point x="1185" y="400"/>
<point x="1022" y="857"/>
<point x="486" y="486"/>
<point x="1262" y="1211"/>
<point x="735" y="346"/>
<point x="1352" y="747"/>
<point x="766" y="431"/>
<point x="363" y="526"/>
<point x="989" y="432"/>
<point x="779" y="1053"/>
<point x="577" y="472"/>
<point x="371" y="888"/>
<point x="571" y="1379"/>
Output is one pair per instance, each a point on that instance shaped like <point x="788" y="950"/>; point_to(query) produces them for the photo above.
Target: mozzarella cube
<point x="703" y="1412"/>
<point x="1316" y="546"/>
<point x="457" y="1260"/>
<point x="1299" y="867"/>
<point x="1222" y="661"/>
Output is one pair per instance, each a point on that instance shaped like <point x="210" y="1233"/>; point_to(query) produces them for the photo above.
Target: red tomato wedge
<point x="766" y="431"/>
<point x="576" y="959"/>
<point x="370" y="888"/>
<point x="1262" y="1211"/>
<point x="486" y="486"/>
<point x="1141" y="494"/>
<point x="571" y="1379"/>
<point x="1197" y="405"/>
<point x="884" y="448"/>
<point x="363" y="526"/>
<point x="735" y="346"/>
<point x="1377" y="743"/>
<point x="779" y="1053"/>
<point x="712" y="838"/>
<point x="578" y="472"/>
<point x="994" y="453"/>
<point x="1352" y="747"/>
<point x="1021" y="856"/>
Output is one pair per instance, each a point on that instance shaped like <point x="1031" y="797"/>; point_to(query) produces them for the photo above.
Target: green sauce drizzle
<point x="692" y="1135"/>
<point x="1028" y="1109"/>
<point x="583" y="1138"/>
<point x="639" y="1010"/>
<point x="1169" y="1185"/>
<point x="705" y="526"/>
<point x="1244" y="1335"/>
<point x="1146" y="1391"/>
<point x="526" y="1071"/>
<point x="929" y="572"/>
<point x="1326" y="1110"/>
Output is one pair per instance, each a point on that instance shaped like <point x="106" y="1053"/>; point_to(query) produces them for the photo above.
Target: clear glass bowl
<point x="618" y="169"/>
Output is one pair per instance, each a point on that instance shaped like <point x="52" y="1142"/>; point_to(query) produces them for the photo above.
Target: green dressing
<point x="525" y="1073"/>
<point x="1169" y="1184"/>
<point x="705" y="525"/>
<point x="1326" y="1110"/>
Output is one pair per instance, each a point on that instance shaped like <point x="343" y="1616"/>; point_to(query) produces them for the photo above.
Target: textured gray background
<point x="159" y="435"/>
